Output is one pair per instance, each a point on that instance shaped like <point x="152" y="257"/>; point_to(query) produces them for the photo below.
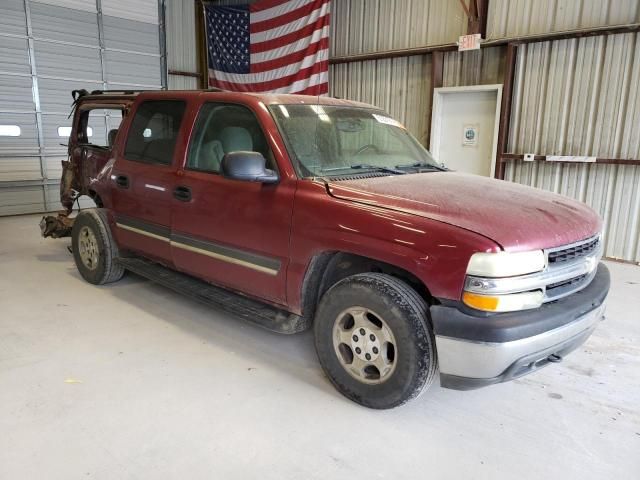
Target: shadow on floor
<point x="293" y="354"/>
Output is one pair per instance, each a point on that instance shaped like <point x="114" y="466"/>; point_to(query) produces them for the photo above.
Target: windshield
<point x="333" y="140"/>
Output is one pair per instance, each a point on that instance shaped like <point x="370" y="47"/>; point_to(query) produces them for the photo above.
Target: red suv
<point x="298" y="212"/>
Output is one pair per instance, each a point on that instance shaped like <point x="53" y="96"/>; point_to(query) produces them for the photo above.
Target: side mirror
<point x="248" y="167"/>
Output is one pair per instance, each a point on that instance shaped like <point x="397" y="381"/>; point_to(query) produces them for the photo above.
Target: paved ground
<point x="134" y="381"/>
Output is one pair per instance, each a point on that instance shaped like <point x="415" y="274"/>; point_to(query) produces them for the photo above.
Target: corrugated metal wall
<point x="511" y="18"/>
<point x="580" y="97"/>
<point x="399" y="85"/>
<point x="480" y="67"/>
<point x="572" y="97"/>
<point x="364" y="26"/>
<point x="47" y="49"/>
<point x="181" y="43"/>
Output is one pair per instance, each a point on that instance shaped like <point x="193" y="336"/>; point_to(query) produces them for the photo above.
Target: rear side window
<point x="154" y="130"/>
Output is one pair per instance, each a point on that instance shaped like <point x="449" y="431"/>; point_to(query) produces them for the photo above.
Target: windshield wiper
<point x="375" y="168"/>
<point x="424" y="165"/>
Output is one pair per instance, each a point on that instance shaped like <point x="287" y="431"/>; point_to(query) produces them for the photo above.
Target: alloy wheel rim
<point x="365" y="345"/>
<point x="88" y="248"/>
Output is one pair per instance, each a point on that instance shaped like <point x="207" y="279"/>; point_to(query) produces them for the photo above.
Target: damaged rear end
<point x="87" y="153"/>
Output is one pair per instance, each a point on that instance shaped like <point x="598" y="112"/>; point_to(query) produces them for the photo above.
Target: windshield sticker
<point x="387" y="120"/>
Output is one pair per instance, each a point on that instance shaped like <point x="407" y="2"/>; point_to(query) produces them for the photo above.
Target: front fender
<point x="436" y="253"/>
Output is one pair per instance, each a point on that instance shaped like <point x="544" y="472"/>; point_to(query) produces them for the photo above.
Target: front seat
<point x="231" y="139"/>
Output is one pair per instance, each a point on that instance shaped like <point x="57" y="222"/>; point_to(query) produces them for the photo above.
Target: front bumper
<point x="475" y="350"/>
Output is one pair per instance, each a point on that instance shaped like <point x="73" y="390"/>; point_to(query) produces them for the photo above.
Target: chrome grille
<point x="566" y="254"/>
<point x="572" y="267"/>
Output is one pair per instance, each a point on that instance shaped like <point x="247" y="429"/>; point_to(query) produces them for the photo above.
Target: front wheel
<point x="373" y="340"/>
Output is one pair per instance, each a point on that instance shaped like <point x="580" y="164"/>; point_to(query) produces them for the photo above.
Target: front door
<point x="464" y="128"/>
<point x="144" y="175"/>
<point x="231" y="233"/>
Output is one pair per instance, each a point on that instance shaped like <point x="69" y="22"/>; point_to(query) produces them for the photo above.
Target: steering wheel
<point x="364" y="148"/>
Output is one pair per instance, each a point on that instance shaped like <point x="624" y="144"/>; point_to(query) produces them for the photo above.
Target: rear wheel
<point x="373" y="340"/>
<point x="94" y="249"/>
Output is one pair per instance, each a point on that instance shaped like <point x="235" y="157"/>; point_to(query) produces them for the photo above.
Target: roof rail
<point x="125" y="92"/>
<point x="77" y="94"/>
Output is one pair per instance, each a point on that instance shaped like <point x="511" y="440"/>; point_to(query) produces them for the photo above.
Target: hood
<point x="515" y="216"/>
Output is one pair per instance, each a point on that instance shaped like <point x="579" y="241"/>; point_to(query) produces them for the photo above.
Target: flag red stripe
<point x="290" y="37"/>
<point x="265" y="5"/>
<point x="319" y="89"/>
<point x="288" y="17"/>
<point x="273" y="84"/>
<point x="314" y="90"/>
<point x="291" y="58"/>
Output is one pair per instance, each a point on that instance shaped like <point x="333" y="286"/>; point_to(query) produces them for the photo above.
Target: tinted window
<point x="221" y="129"/>
<point x="153" y="132"/>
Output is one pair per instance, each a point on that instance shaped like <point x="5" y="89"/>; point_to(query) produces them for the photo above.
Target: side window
<point x="97" y="127"/>
<point x="222" y="128"/>
<point x="154" y="130"/>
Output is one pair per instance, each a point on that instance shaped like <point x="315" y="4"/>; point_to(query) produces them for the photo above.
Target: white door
<point x="464" y="131"/>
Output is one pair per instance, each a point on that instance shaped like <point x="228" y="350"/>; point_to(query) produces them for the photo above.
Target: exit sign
<point x="469" y="42"/>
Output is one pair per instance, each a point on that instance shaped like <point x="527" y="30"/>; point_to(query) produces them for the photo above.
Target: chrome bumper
<point x="476" y="350"/>
<point x="489" y="361"/>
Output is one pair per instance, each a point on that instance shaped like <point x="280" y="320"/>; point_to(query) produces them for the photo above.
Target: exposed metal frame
<point x="476" y="16"/>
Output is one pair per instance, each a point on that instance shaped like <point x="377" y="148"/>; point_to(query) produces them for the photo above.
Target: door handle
<point x="122" y="181"/>
<point x="182" y="193"/>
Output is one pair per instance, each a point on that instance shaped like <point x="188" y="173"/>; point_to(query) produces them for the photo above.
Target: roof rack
<point x="77" y="94"/>
<point x="124" y="92"/>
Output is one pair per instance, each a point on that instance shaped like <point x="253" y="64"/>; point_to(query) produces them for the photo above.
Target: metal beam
<point x="162" y="32"/>
<point x="201" y="45"/>
<point x="28" y="183"/>
<point x="36" y="101"/>
<point x="505" y="157"/>
<point x="505" y="108"/>
<point x="451" y="47"/>
<point x="182" y="73"/>
<point x="437" y="73"/>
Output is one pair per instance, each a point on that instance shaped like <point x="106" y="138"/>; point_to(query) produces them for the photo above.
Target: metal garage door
<point x="47" y="49"/>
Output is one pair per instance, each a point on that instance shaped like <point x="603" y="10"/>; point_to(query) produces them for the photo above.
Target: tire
<point x="94" y="249"/>
<point x="397" y="336"/>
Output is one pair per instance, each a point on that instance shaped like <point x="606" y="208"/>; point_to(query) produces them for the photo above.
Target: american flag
<point x="279" y="46"/>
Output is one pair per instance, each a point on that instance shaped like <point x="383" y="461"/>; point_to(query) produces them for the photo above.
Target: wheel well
<point x="96" y="198"/>
<point x="327" y="269"/>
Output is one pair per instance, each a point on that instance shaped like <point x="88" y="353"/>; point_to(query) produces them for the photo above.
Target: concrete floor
<point x="133" y="381"/>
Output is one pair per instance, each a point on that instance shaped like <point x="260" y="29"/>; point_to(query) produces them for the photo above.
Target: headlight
<point x="485" y="268"/>
<point x="505" y="264"/>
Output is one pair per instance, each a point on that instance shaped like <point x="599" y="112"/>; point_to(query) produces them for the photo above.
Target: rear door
<point x="143" y="176"/>
<point x="230" y="232"/>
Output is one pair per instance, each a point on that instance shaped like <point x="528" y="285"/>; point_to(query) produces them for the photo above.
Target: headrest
<point x="236" y="139"/>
